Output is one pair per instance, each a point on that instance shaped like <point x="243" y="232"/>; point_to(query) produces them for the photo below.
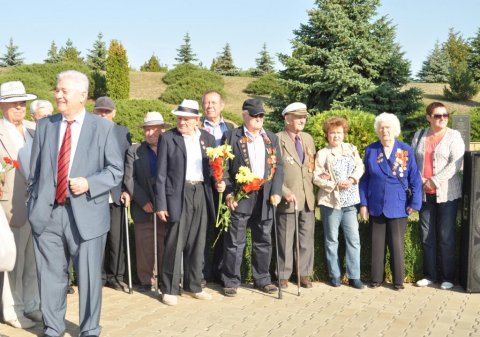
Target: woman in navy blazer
<point x="390" y="169"/>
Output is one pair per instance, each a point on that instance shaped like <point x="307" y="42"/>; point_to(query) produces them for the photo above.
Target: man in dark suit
<point x="114" y="258"/>
<point x="259" y="150"/>
<point x="139" y="180"/>
<point x="214" y="123"/>
<point x="185" y="201"/>
<point x="75" y="162"/>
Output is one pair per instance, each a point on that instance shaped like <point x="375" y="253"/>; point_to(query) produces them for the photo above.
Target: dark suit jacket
<point x="270" y="187"/>
<point x="171" y="173"/>
<point x="97" y="158"/>
<point x="124" y="141"/>
<point x="381" y="191"/>
<point x="138" y="182"/>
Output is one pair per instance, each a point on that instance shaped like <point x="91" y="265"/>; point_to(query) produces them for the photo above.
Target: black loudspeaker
<point x="470" y="240"/>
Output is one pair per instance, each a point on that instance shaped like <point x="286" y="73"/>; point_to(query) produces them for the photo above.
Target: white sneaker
<point x="169" y="299"/>
<point x="423" y="282"/>
<point x="21" y="323"/>
<point x="446" y="285"/>
<point x="202" y="296"/>
<point x="35" y="316"/>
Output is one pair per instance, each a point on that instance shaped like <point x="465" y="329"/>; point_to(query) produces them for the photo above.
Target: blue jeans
<point x="332" y="220"/>
<point x="437" y="222"/>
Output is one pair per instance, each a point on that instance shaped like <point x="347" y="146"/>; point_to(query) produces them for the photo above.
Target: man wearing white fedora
<point x="184" y="200"/>
<point x="20" y="298"/>
<point x="139" y="181"/>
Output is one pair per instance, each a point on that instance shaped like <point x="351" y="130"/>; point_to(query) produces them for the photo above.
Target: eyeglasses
<point x="439" y="116"/>
<point x="257" y="115"/>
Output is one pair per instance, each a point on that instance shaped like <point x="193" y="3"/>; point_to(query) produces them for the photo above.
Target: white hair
<point x="80" y="78"/>
<point x="389" y="119"/>
<point x="41" y="104"/>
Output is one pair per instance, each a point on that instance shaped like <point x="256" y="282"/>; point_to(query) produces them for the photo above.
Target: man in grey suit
<point x="114" y="264"/>
<point x="75" y="162"/>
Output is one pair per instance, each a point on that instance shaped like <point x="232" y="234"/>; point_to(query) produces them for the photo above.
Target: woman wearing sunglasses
<point x="439" y="154"/>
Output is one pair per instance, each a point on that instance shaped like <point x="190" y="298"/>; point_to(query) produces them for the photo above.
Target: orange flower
<point x="217" y="168"/>
<point x="253" y="185"/>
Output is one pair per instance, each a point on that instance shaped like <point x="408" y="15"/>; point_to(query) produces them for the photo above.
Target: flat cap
<point x="296" y="108"/>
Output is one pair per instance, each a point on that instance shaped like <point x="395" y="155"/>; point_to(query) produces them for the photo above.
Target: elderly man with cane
<point x="298" y="200"/>
<point x="257" y="149"/>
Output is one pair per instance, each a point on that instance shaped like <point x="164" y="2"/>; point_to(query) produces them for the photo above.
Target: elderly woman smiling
<point x="390" y="190"/>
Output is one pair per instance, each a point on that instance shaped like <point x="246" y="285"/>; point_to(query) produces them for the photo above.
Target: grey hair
<point x="389" y="119"/>
<point x="40" y="104"/>
<point x="80" y="78"/>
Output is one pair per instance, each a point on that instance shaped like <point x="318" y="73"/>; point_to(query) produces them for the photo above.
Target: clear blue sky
<point x="152" y="26"/>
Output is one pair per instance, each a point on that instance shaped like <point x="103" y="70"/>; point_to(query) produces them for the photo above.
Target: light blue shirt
<point x="216" y="131"/>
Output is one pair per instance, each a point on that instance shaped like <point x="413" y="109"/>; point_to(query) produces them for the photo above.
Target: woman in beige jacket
<point x="338" y="169"/>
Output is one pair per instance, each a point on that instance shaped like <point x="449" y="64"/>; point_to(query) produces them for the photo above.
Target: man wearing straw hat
<point x="20" y="303"/>
<point x="139" y="180"/>
<point x="185" y="201"/>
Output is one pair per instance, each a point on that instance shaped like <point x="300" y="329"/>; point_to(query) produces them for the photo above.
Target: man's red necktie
<point x="63" y="164"/>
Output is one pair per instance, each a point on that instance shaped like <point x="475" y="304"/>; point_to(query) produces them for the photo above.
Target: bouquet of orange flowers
<point x="247" y="182"/>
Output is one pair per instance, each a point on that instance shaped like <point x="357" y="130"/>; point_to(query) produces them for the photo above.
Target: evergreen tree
<point x="97" y="57"/>
<point x="52" y="55"/>
<point x="153" y="65"/>
<point x="462" y="85"/>
<point x="264" y="62"/>
<point x="223" y="64"/>
<point x="474" y="59"/>
<point x="12" y="57"/>
<point x="117" y="76"/>
<point x="436" y="67"/>
<point x="185" y="53"/>
<point x="70" y="53"/>
<point x="342" y="52"/>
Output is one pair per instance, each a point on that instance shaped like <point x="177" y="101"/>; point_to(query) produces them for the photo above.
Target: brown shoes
<point x="268" y="288"/>
<point x="305" y="282"/>
<point x="283" y="283"/>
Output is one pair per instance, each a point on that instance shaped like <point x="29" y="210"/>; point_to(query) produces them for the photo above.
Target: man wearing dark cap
<point x="184" y="200"/>
<point x="114" y="259"/>
<point x="298" y="156"/>
<point x="257" y="149"/>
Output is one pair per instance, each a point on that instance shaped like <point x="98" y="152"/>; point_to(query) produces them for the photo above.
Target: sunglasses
<point x="257" y="115"/>
<point x="438" y="116"/>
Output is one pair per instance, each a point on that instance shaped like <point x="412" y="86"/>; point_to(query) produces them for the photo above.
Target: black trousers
<point x="391" y="232"/>
<point x="186" y="237"/>
<point x="114" y="259"/>
<point x="212" y="270"/>
<point x="234" y="244"/>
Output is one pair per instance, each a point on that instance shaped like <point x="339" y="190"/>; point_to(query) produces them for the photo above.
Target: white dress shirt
<point x="256" y="152"/>
<point x="194" y="170"/>
<point x="75" y="129"/>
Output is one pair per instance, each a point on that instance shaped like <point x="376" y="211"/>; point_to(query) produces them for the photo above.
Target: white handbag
<point x="8" y="251"/>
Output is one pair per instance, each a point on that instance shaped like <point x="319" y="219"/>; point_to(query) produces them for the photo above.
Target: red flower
<point x="254" y="185"/>
<point x="7" y="160"/>
<point x="217" y="168"/>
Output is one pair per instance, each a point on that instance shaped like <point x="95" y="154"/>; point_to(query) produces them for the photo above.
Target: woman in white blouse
<point x="439" y="154"/>
<point x="338" y="169"/>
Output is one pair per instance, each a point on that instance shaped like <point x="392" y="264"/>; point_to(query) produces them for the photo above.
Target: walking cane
<point x="129" y="264"/>
<point x="297" y="244"/>
<point x="276" y="250"/>
<point x="155" y="251"/>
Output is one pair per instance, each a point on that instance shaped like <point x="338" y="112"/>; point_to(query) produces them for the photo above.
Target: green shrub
<point x="264" y="86"/>
<point x="190" y="88"/>
<point x="413" y="122"/>
<point x="48" y="73"/>
<point x="130" y="113"/>
<point x="361" y="131"/>
<point x="118" y="73"/>
<point x="462" y="85"/>
<point x="181" y="71"/>
<point x="475" y="124"/>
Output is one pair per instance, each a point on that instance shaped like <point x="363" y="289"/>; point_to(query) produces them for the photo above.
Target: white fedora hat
<point x="188" y="108"/>
<point x="154" y="118"/>
<point x="14" y="91"/>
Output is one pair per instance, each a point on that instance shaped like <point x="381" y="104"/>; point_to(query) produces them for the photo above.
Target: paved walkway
<point x="320" y="311"/>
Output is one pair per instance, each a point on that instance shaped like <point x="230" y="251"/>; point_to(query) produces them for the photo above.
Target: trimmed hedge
<point x="191" y="87"/>
<point x="265" y="85"/>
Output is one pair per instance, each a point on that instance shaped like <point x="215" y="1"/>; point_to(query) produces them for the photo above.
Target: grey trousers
<point x="53" y="249"/>
<point x="287" y="245"/>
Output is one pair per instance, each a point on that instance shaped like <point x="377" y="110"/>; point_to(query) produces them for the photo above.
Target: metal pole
<point x="129" y="264"/>
<point x="297" y="244"/>
<point x="155" y="251"/>
<point x="276" y="250"/>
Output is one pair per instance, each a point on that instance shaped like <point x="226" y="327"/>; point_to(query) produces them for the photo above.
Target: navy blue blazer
<point x="380" y="189"/>
<point x="240" y="150"/>
<point x="171" y="173"/>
